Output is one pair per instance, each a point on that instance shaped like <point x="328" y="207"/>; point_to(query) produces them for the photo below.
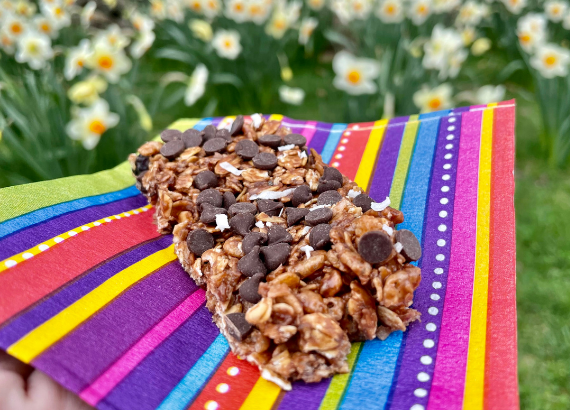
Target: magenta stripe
<point x="451" y="361"/>
<point x="122" y="367"/>
<point x="85" y="353"/>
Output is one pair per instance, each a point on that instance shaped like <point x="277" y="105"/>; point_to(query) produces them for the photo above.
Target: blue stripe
<point x="191" y="385"/>
<point x="376" y="367"/>
<point x="332" y="142"/>
<point x="202" y="123"/>
<point x="44" y="214"/>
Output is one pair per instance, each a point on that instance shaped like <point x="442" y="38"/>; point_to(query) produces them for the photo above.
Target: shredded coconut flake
<point x="302" y="154"/>
<point x="307" y="249"/>
<point x="256" y="118"/>
<point x="222" y="222"/>
<point x="387" y="229"/>
<point x="306" y="230"/>
<point x="281" y="212"/>
<point x="267" y="375"/>
<point x="353" y="194"/>
<point x="272" y="194"/>
<point x="230" y="168"/>
<point x="380" y="206"/>
<point x="286" y="147"/>
<point x="268" y="224"/>
<point x="320" y="206"/>
<point x="398" y="247"/>
<point x="260" y="224"/>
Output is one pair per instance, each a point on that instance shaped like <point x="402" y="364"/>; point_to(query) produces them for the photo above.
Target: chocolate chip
<point x="214" y="145"/>
<point x="275" y="255"/>
<point x="237" y="326"/>
<point x="191" y="138"/>
<point x="278" y="234"/>
<point x="247" y="149"/>
<point x="271" y="208"/>
<point x="363" y="201"/>
<point x="242" y="208"/>
<point x="237" y="125"/>
<point x="318" y="216"/>
<point x="411" y="248"/>
<point x="209" y="132"/>
<point x="294" y="215"/>
<point x="252" y="240"/>
<point x="270" y="140"/>
<point x="138" y="182"/>
<point x="329" y="198"/>
<point x="249" y="290"/>
<point x="332" y="174"/>
<point x="301" y="195"/>
<point x="224" y="134"/>
<point x="141" y="164"/>
<point x="228" y="199"/>
<point x="242" y="223"/>
<point x="172" y="149"/>
<point x="375" y="246"/>
<point x="205" y="179"/>
<point x="251" y="264"/>
<point x="296" y="139"/>
<point x="170" y="135"/>
<point x="327" y="186"/>
<point x="209" y="196"/>
<point x="319" y="237"/>
<point x="209" y="213"/>
<point x="265" y="160"/>
<point x="199" y="241"/>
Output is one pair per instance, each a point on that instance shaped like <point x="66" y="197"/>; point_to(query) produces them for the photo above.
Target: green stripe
<point x="404" y="158"/>
<point x="336" y="389"/>
<point x="22" y="199"/>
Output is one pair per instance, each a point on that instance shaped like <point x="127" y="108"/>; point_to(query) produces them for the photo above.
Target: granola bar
<point x="297" y="261"/>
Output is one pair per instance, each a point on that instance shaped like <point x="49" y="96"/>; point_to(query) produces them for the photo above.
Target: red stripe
<point x="240" y="385"/>
<point x="351" y="148"/>
<point x="31" y="280"/>
<point x="501" y="386"/>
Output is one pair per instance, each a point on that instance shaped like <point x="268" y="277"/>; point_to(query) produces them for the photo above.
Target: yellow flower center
<point x="556" y="10"/>
<point x="550" y="60"/>
<point x="80" y="63"/>
<point x="58" y="11"/>
<point x="390" y="9"/>
<point x="97" y="127"/>
<point x="422" y="9"/>
<point x="33" y="48"/>
<point x="514" y="2"/>
<point x="525" y="38"/>
<point x="357" y="6"/>
<point x="45" y="27"/>
<point x="238" y="7"/>
<point x="16" y="28"/>
<point x="279" y="24"/>
<point x="255" y="9"/>
<point x="353" y="77"/>
<point x="227" y="43"/>
<point x="212" y="5"/>
<point x="105" y="62"/>
<point x="197" y="6"/>
<point x="6" y="41"/>
<point x="434" y="103"/>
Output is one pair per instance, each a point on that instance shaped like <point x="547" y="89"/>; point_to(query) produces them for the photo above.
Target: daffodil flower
<point x="201" y="29"/>
<point x="57" y="13"/>
<point x="434" y="99"/>
<point x="515" y="6"/>
<point x="551" y="60"/>
<point x="14" y="26"/>
<point x="35" y="49"/>
<point x="391" y="11"/>
<point x="196" y="85"/>
<point x="237" y="10"/>
<point x="142" y="43"/>
<point x="211" y="8"/>
<point x="108" y="61"/>
<point x="77" y="59"/>
<point x="306" y="29"/>
<point x="227" y="44"/>
<point x="113" y="37"/>
<point x="355" y="75"/>
<point x="419" y="11"/>
<point x="87" y="92"/>
<point x="291" y="95"/>
<point x="555" y="10"/>
<point x="88" y="124"/>
<point x="45" y="26"/>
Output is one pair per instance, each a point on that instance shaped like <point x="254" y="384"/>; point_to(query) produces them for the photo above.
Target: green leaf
<point x="177" y="55"/>
<point x="226" y="78"/>
<point x="339" y="38"/>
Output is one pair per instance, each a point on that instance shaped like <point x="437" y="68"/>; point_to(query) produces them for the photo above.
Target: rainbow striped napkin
<point x="93" y="296"/>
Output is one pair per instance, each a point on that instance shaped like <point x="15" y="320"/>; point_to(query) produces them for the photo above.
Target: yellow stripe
<point x="275" y="117"/>
<point x="48" y="333"/>
<point x="45" y="245"/>
<point x="180" y="125"/>
<point x="262" y="396"/>
<point x="404" y="158"/>
<point x="338" y="383"/>
<point x="475" y="377"/>
<point x="368" y="160"/>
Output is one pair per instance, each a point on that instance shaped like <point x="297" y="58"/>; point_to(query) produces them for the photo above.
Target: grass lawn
<point x="542" y="203"/>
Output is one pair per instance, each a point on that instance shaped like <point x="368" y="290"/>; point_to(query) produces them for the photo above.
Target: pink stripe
<point x="451" y="361"/>
<point x="308" y="132"/>
<point x="124" y="365"/>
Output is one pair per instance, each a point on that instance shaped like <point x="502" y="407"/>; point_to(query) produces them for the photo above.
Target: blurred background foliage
<point x="83" y="83"/>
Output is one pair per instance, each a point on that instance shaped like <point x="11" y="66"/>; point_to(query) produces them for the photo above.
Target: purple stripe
<point x="305" y="396"/>
<point x="411" y="364"/>
<point x="151" y="381"/>
<point x="84" y="354"/>
<point x="399" y="120"/>
<point x="30" y="237"/>
<point x="320" y="137"/>
<point x="217" y="120"/>
<point x="386" y="161"/>
<point x="38" y="314"/>
<point x="460" y="110"/>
